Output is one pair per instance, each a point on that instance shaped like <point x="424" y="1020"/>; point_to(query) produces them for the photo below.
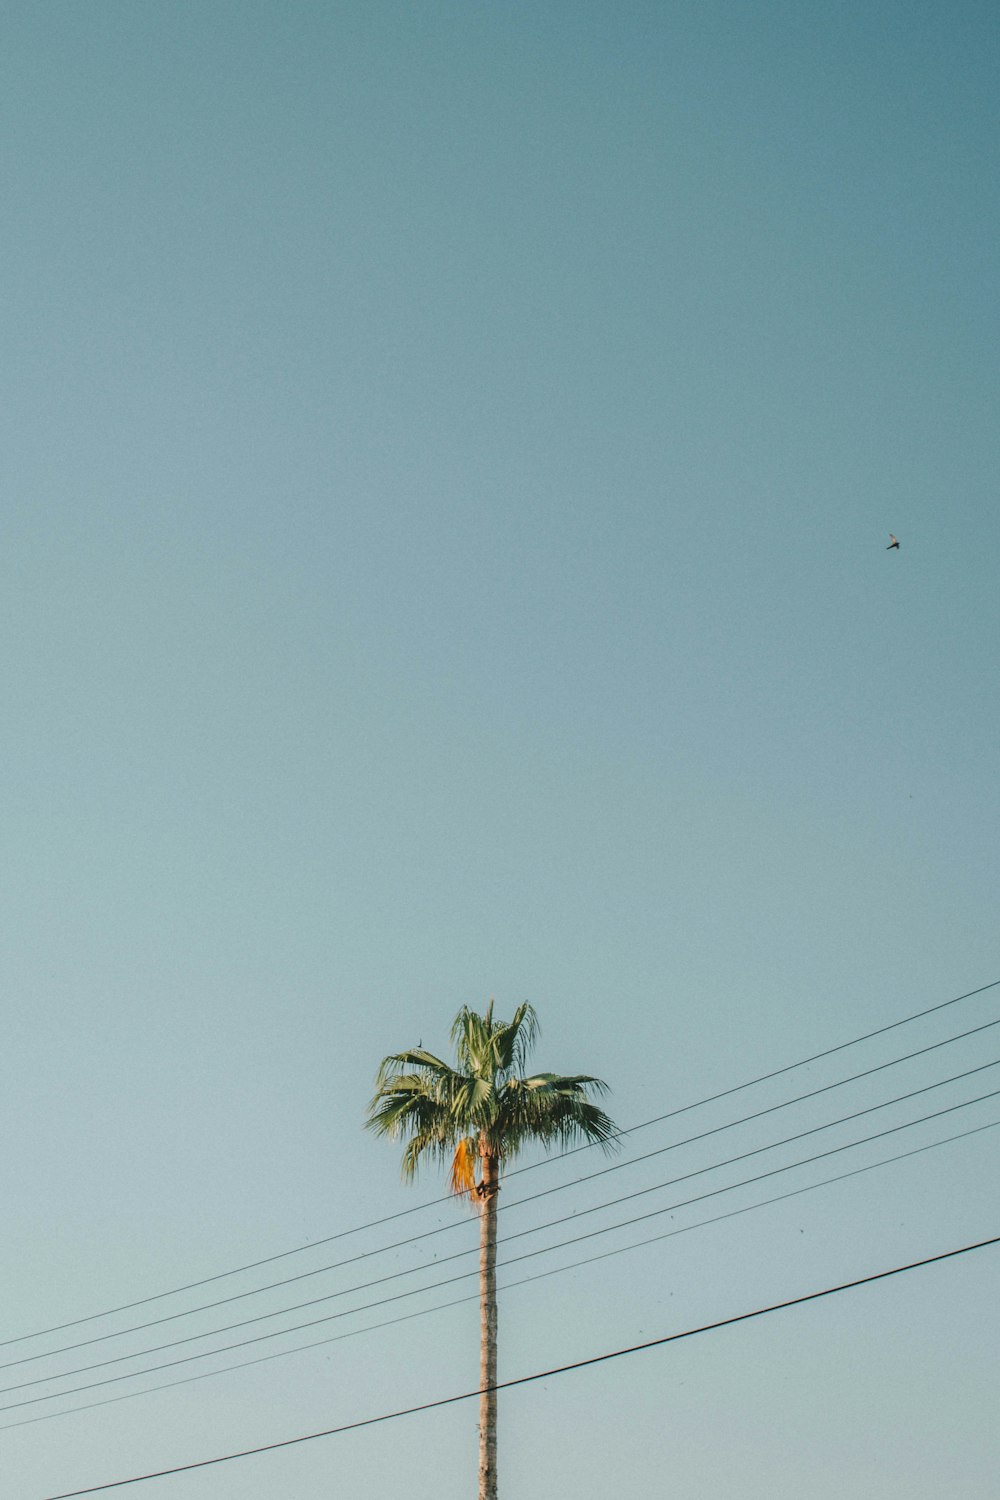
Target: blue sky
<point x="449" y="452"/>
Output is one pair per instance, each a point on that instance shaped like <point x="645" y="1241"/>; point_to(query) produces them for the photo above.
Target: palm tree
<point x="480" y="1114"/>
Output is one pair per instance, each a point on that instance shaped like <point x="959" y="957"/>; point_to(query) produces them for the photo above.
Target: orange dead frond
<point x="463" y="1169"/>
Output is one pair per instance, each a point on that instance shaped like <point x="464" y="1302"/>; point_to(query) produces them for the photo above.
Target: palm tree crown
<point x="484" y="1107"/>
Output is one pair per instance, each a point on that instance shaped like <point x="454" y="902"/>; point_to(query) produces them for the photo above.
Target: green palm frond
<point x="554" y="1110"/>
<point x="470" y="1034"/>
<point x="515" y="1041"/>
<point x="489" y="1048"/>
<point x="416" y="1057"/>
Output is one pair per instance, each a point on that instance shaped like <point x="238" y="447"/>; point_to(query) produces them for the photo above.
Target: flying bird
<point x="892" y="543"/>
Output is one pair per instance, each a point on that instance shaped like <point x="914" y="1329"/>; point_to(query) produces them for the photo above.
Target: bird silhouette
<point x="892" y="543"/>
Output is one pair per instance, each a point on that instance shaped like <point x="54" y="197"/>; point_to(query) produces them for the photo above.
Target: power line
<point x="457" y="1224"/>
<point x="761" y="1113"/>
<point x="803" y="1062"/>
<point x="520" y="1234"/>
<point x="508" y="1286"/>
<point x="528" y="1167"/>
<point x="579" y="1364"/>
<point x="449" y="1281"/>
<point x="771" y="1146"/>
<point x="747" y="1181"/>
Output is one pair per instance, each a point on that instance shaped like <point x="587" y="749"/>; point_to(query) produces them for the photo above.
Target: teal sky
<point x="449" y="450"/>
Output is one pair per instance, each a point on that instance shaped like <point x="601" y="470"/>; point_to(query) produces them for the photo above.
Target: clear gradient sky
<point x="449" y="453"/>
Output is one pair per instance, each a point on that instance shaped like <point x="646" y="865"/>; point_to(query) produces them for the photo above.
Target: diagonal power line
<point x="450" y="1280"/>
<point x="423" y="1312"/>
<point x="529" y="1167"/>
<point x="580" y="1364"/>
<point x="517" y="1203"/>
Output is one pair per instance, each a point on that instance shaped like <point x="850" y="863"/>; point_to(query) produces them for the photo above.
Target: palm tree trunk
<point x="488" y="1190"/>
